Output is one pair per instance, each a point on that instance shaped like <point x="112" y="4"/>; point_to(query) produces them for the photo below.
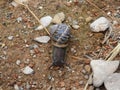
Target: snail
<point x="60" y="36"/>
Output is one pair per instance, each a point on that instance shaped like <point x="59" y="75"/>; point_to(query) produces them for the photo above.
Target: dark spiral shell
<point x="61" y="34"/>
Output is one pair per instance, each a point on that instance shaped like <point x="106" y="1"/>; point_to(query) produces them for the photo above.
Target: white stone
<point x="75" y="26"/>
<point x="40" y="7"/>
<point x="19" y="19"/>
<point x="113" y="82"/>
<point x="13" y="3"/>
<point x="42" y="39"/>
<point x="45" y="21"/>
<point x="101" y="24"/>
<point x="10" y="37"/>
<point x="102" y="69"/>
<point x="27" y="70"/>
<point x="58" y="18"/>
<point x="18" y="62"/>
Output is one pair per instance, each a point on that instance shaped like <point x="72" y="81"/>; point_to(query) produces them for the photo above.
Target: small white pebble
<point x="27" y="70"/>
<point x="40" y="7"/>
<point x="18" y="62"/>
<point x="19" y="19"/>
<point x="42" y="39"/>
<point x="16" y="87"/>
<point x="109" y="13"/>
<point x="10" y="37"/>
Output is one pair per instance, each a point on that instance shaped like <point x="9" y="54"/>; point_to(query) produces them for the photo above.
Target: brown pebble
<point x="86" y="61"/>
<point x="19" y="83"/>
<point x="87" y="68"/>
<point x="32" y="64"/>
<point x="62" y="84"/>
<point x="75" y="2"/>
<point x="14" y="76"/>
<point x="22" y="65"/>
<point x="36" y="50"/>
<point x="77" y="84"/>
<point x="11" y="83"/>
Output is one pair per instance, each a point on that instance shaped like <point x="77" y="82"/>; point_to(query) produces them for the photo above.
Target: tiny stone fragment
<point x="10" y="37"/>
<point x="18" y="62"/>
<point x="76" y="26"/>
<point x="87" y="68"/>
<point x="59" y="18"/>
<point x="27" y="70"/>
<point x="19" y="19"/>
<point x="42" y="39"/>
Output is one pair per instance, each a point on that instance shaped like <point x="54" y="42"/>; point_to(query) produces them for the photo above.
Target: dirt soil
<point x="20" y="47"/>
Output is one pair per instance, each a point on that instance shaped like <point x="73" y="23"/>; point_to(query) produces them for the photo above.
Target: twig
<point x="85" y="88"/>
<point x="107" y="36"/>
<point x="32" y="14"/>
<point x="101" y="10"/>
<point x="113" y="53"/>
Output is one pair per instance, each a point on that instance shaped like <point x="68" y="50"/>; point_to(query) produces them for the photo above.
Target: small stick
<point x="85" y="88"/>
<point x="101" y="10"/>
<point x="107" y="36"/>
<point x="113" y="53"/>
<point x="32" y="14"/>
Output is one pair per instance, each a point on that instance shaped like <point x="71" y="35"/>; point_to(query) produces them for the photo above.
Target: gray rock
<point x="101" y="24"/>
<point x="59" y="18"/>
<point x="42" y="39"/>
<point x="45" y="21"/>
<point x="27" y="70"/>
<point x="102" y="69"/>
<point x="113" y="82"/>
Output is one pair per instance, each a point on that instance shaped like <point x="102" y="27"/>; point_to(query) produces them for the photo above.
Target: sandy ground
<point x="20" y="48"/>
